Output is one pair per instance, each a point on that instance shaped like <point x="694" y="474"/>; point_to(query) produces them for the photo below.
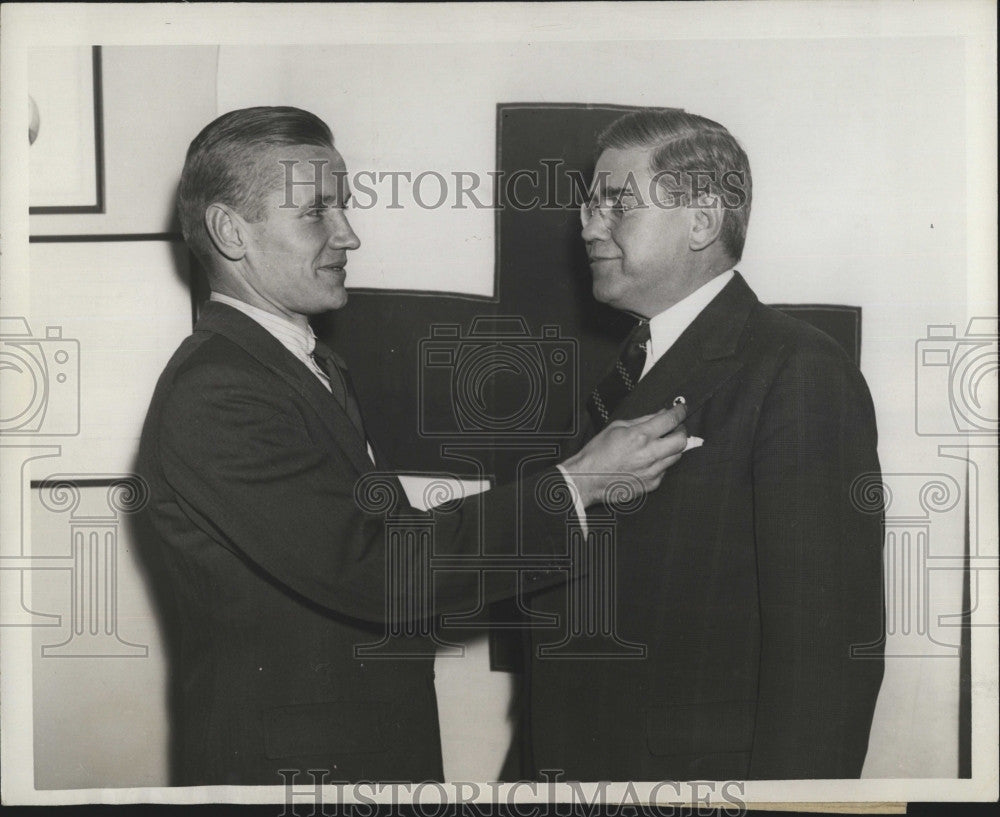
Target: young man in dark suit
<point x="271" y="573"/>
<point x="750" y="576"/>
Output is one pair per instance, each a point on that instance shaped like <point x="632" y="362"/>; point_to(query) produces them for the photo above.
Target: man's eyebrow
<point x="329" y="201"/>
<point x="609" y="192"/>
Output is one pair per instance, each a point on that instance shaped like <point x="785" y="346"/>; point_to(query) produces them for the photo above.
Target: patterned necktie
<point x="622" y="378"/>
<point x="340" y="383"/>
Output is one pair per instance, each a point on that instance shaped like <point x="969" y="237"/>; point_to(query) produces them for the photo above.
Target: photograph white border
<point x="84" y="24"/>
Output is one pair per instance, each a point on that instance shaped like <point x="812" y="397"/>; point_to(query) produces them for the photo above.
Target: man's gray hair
<point x="692" y="155"/>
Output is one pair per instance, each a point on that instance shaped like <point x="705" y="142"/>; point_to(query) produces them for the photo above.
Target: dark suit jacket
<point x="270" y="573"/>
<point x="748" y="575"/>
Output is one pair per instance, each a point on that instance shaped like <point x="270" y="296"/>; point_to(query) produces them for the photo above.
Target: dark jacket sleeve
<point x="819" y="561"/>
<point x="242" y="464"/>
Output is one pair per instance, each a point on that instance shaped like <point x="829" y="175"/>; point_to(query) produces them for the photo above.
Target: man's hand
<point x="644" y="447"/>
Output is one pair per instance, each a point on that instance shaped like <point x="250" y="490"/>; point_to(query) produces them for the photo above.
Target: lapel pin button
<point x="680" y="401"/>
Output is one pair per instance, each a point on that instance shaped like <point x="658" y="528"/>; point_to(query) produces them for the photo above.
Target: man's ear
<point x="227" y="229"/>
<point x="706" y="222"/>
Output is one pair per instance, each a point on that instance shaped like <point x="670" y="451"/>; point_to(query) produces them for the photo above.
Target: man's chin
<point x="337" y="300"/>
<point x="603" y="293"/>
<point x="330" y="303"/>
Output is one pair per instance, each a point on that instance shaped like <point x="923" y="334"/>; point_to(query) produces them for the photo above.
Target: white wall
<point x="857" y="149"/>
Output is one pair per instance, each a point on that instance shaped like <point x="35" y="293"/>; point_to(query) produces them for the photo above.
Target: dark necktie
<point x="622" y="378"/>
<point x="340" y="384"/>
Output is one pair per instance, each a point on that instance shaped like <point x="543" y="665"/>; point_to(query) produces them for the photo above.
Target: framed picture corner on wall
<point x="66" y="130"/>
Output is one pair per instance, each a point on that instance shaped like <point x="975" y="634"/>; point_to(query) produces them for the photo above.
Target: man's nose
<point x="595" y="229"/>
<point x="342" y="236"/>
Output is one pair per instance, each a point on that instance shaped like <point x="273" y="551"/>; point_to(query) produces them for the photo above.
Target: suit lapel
<point x="266" y="349"/>
<point x="702" y="359"/>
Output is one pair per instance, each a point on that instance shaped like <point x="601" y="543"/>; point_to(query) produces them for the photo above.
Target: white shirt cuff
<point x="581" y="513"/>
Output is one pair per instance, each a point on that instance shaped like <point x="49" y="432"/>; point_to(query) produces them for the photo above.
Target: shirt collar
<point x="300" y="342"/>
<point x="666" y="327"/>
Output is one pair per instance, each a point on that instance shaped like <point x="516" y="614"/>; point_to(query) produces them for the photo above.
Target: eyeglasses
<point x="611" y="211"/>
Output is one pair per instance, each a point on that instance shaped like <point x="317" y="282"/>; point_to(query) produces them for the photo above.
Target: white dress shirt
<point x="665" y="328"/>
<point x="300" y="342"/>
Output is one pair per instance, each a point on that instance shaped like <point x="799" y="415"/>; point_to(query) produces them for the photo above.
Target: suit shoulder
<point x="802" y="356"/>
<point x="211" y="387"/>
<point x="208" y="357"/>
<point x="207" y="369"/>
<point x="212" y="383"/>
